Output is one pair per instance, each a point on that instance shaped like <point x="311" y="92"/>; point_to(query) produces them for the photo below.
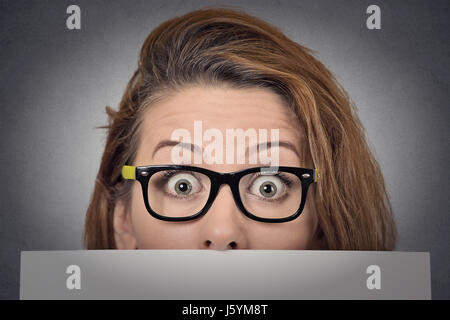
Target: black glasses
<point x="183" y="193"/>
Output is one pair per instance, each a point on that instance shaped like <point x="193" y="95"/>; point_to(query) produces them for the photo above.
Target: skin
<point x="224" y="226"/>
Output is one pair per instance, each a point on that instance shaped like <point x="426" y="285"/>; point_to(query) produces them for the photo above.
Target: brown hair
<point x="224" y="46"/>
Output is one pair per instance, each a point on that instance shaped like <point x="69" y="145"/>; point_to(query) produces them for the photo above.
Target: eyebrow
<point x="196" y="148"/>
<point x="171" y="143"/>
<point x="285" y="144"/>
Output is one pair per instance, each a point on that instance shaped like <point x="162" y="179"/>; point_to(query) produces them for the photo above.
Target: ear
<point x="123" y="228"/>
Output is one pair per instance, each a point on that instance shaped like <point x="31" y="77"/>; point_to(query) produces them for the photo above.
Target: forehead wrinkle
<point x="262" y="98"/>
<point x="167" y="113"/>
<point x="217" y="118"/>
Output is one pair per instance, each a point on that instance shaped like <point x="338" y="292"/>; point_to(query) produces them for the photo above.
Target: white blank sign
<point x="233" y="274"/>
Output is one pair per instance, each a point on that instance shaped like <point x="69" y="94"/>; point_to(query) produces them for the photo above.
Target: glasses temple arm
<point x="129" y="172"/>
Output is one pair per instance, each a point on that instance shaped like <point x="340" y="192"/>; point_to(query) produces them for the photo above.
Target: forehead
<point x="221" y="108"/>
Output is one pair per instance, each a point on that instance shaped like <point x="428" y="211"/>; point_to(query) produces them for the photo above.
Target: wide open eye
<point x="183" y="184"/>
<point x="178" y="193"/>
<point x="270" y="195"/>
<point x="268" y="186"/>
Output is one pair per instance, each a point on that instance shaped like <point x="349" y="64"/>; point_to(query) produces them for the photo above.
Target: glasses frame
<point x="217" y="179"/>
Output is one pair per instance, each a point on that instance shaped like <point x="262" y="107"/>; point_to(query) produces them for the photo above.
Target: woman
<point x="223" y="69"/>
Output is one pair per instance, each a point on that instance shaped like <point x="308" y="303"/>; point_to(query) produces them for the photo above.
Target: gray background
<point x="56" y="82"/>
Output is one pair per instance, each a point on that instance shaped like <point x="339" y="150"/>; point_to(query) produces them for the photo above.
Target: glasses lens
<point x="271" y="194"/>
<point x="177" y="193"/>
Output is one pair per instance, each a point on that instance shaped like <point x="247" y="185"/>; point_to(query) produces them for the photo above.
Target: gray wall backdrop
<point x="55" y="84"/>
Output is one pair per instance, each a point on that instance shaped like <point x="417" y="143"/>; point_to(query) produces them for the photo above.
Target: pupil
<point x="183" y="187"/>
<point x="268" y="189"/>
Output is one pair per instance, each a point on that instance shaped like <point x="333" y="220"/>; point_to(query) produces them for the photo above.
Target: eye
<point x="183" y="184"/>
<point x="267" y="187"/>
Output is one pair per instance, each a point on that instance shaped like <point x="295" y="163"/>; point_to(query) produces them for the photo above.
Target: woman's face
<point x="224" y="226"/>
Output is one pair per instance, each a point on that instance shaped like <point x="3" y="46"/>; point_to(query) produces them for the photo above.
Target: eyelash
<point x="283" y="177"/>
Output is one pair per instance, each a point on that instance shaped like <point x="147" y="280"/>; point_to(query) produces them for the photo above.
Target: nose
<point x="223" y="226"/>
